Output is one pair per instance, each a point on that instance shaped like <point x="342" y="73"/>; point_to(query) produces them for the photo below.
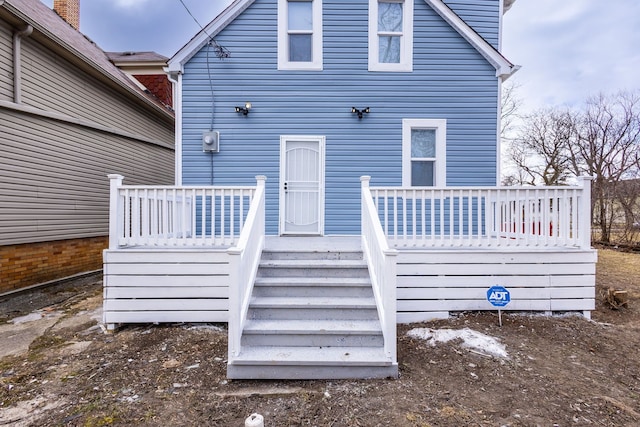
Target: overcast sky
<point x="568" y="49"/>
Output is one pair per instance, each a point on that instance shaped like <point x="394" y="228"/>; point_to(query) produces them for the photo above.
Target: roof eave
<point x="176" y="63"/>
<point x="90" y="66"/>
<point x="504" y="68"/>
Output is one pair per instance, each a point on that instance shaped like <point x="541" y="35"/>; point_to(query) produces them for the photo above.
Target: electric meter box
<point x="211" y="141"/>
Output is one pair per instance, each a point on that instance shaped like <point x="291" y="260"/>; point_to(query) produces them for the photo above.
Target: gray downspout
<point x="17" y="66"/>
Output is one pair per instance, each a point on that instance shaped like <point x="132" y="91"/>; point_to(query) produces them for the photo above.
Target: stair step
<point x="313" y="281"/>
<point x="312" y="287"/>
<point x="310" y="372"/>
<point x="312" y="315"/>
<point x="310" y="263"/>
<point x="312" y="302"/>
<point x="313" y="327"/>
<point x="313" y="268"/>
<point x="312" y="356"/>
<point x="303" y="254"/>
<point x="312" y="333"/>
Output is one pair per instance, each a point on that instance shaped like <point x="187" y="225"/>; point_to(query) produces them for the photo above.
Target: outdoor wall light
<point x="244" y="110"/>
<point x="354" y="110"/>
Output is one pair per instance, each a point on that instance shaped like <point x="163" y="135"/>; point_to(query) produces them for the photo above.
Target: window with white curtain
<point x="390" y="35"/>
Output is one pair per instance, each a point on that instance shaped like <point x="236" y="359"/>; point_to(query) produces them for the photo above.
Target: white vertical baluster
<point x="423" y="219"/>
<point x="214" y="219"/>
<point x="432" y="217"/>
<point x="442" y="218"/>
<point x="414" y="218"/>
<point x="386" y="212"/>
<point x="404" y="215"/>
<point x="241" y="210"/>
<point x="232" y="204"/>
<point x="395" y="214"/>
<point x="222" y="217"/>
<point x="145" y="217"/>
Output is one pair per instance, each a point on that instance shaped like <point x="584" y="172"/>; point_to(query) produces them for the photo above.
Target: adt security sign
<point x="498" y="296"/>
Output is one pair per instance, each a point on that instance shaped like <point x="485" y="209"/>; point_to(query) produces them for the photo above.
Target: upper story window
<point x="424" y="152"/>
<point x="390" y="35"/>
<point x="300" y="34"/>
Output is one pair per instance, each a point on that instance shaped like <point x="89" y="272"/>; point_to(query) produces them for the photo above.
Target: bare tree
<point x="541" y="151"/>
<point x="510" y="108"/>
<point x="607" y="147"/>
<point x="628" y="198"/>
<point x="509" y="118"/>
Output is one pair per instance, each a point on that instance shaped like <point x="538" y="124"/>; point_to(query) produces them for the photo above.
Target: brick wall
<point x="159" y="85"/>
<point x="34" y="263"/>
<point x="69" y="10"/>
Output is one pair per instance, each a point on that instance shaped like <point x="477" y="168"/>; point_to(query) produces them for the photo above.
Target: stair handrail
<point x="244" y="259"/>
<point x="381" y="260"/>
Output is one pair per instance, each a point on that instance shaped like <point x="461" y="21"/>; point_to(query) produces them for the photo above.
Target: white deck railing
<point x="244" y="262"/>
<point x="381" y="261"/>
<point x="168" y="216"/>
<point x="485" y="217"/>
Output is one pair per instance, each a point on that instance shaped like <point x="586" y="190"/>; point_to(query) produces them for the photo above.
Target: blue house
<point x="312" y="265"/>
<point x="407" y="92"/>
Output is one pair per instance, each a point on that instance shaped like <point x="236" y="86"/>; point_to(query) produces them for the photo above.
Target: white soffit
<point x="503" y="67"/>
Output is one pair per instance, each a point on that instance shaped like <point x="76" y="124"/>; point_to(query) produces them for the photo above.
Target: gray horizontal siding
<point x="482" y="15"/>
<point x="53" y="176"/>
<point x="451" y="80"/>
<point x="6" y="70"/>
<point x="51" y="83"/>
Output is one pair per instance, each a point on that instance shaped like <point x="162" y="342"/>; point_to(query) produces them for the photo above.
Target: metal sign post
<point x="499" y="297"/>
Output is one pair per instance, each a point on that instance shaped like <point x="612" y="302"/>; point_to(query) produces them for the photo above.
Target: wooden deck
<point x="171" y="255"/>
<point x="192" y="285"/>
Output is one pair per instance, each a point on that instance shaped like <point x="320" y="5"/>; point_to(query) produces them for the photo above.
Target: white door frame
<point x="321" y="140"/>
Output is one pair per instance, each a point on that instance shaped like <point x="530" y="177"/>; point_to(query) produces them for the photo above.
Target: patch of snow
<point x="472" y="340"/>
<point x="31" y="317"/>
<point x="36" y="315"/>
<point x="204" y="327"/>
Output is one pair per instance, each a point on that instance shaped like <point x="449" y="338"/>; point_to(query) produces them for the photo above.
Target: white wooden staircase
<point x="312" y="315"/>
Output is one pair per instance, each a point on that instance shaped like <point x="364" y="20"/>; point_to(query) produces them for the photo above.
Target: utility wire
<point x="194" y="18"/>
<point x="221" y="51"/>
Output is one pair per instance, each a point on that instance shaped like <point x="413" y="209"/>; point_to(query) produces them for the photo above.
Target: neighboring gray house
<point x="68" y="117"/>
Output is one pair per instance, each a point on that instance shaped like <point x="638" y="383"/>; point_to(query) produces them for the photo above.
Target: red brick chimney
<point x="69" y="10"/>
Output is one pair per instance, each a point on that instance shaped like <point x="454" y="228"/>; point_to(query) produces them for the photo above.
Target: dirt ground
<point x="561" y="371"/>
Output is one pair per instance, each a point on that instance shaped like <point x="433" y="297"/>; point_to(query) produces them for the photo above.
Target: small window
<point x="390" y="35"/>
<point x="389" y="32"/>
<point x="423" y="153"/>
<point x="300" y="34"/>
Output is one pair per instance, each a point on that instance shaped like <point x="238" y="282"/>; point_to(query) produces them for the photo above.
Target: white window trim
<point x="406" y="41"/>
<point x="440" y="126"/>
<point x="283" y="39"/>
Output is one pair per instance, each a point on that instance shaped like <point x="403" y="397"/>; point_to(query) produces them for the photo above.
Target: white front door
<point x="302" y="185"/>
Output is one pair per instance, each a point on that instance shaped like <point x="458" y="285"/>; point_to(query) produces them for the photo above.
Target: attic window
<point x="300" y="34"/>
<point x="390" y="35"/>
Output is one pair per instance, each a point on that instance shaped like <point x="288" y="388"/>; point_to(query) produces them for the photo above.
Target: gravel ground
<point x="563" y="371"/>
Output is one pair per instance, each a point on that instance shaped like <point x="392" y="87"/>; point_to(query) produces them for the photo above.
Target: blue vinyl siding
<point x="481" y="15"/>
<point x="451" y="80"/>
